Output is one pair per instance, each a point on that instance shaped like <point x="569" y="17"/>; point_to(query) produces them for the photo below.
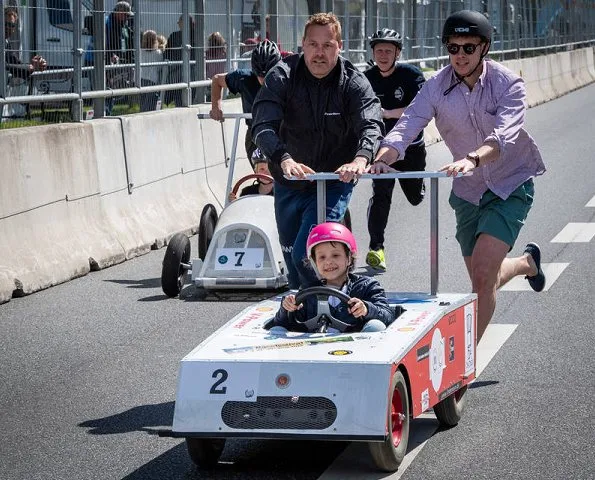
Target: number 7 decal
<point x="239" y="256"/>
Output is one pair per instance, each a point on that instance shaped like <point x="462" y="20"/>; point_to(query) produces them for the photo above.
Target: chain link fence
<point x="108" y="57"/>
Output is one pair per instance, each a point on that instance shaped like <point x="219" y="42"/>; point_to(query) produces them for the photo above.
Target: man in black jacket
<point x="315" y="113"/>
<point x="13" y="63"/>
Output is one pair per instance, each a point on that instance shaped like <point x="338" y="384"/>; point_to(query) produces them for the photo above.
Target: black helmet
<point x="264" y="57"/>
<point x="467" y="23"/>
<point x="386" y="35"/>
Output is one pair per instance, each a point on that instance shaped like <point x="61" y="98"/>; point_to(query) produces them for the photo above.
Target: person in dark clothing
<point x="396" y="85"/>
<point x="14" y="65"/>
<point x="173" y="53"/>
<point x="315" y="112"/>
<point x="260" y="186"/>
<point x="332" y="250"/>
<point x="247" y="83"/>
<point x="119" y="48"/>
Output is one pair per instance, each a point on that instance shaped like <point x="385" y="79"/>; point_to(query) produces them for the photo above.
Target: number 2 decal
<point x="217" y="387"/>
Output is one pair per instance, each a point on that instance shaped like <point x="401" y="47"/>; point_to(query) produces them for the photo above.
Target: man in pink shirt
<point x="479" y="107"/>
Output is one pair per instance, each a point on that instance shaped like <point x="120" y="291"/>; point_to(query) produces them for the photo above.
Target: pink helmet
<point x="331" y="232"/>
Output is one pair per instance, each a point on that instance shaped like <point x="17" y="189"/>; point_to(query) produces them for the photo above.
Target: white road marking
<point x="591" y="203"/>
<point x="575" y="232"/>
<point x="551" y="270"/>
<point x="355" y="463"/>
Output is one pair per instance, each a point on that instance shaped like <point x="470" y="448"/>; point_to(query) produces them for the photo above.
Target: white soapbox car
<point x="244" y="382"/>
<point x="238" y="249"/>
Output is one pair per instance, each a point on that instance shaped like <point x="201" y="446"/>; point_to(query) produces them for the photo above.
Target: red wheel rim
<point x="397" y="417"/>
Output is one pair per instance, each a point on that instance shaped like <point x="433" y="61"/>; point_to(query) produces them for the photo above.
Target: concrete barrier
<point x="79" y="197"/>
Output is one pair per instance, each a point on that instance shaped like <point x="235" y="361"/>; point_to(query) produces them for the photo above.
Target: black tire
<point x="449" y="411"/>
<point x="347" y="219"/>
<point x="206" y="228"/>
<point x="175" y="264"/>
<point x="389" y="454"/>
<point x="205" y="452"/>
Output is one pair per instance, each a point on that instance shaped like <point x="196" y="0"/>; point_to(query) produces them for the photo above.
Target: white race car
<point x="244" y="382"/>
<point x="238" y="249"/>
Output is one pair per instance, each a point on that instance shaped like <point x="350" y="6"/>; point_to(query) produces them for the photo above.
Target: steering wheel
<point x="259" y="176"/>
<point x="323" y="317"/>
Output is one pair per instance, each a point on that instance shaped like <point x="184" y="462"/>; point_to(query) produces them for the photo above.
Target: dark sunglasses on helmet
<point x="468" y="48"/>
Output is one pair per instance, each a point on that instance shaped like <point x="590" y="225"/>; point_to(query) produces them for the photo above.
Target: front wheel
<point x="205" y="452"/>
<point x="449" y="411"/>
<point x="389" y="454"/>
<point x="175" y="265"/>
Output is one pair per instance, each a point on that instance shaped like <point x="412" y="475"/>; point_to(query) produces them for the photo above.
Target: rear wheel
<point x="449" y="411"/>
<point x="175" y="264"/>
<point x="389" y="454"/>
<point x="205" y="452"/>
<point x="206" y="228"/>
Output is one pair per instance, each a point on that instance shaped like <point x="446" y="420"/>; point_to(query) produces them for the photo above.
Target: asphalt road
<point x="88" y="368"/>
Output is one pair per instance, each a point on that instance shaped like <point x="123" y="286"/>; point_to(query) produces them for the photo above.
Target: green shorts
<point x="499" y="218"/>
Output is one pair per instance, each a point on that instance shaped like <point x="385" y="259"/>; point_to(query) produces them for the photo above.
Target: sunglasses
<point x="468" y="48"/>
<point x="10" y="25"/>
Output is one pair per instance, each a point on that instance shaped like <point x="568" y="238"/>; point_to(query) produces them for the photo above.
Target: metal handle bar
<point x="379" y="176"/>
<point x="320" y="179"/>
<point x="206" y="116"/>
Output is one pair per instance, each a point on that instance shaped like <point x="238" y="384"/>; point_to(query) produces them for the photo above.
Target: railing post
<point x="229" y="36"/>
<point x="137" y="44"/>
<point x="3" y="75"/>
<point x="434" y="236"/>
<point x="199" y="52"/>
<point x="186" y="94"/>
<point x="77" y="62"/>
<point x="98" y="74"/>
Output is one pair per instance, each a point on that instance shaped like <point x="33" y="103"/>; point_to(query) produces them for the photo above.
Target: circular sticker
<point x="340" y="352"/>
<point x="223" y="259"/>
<point x="437" y="363"/>
<point x="264" y="309"/>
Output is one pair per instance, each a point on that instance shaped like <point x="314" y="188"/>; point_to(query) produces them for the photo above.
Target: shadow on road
<point x="135" y="419"/>
<point x="242" y="459"/>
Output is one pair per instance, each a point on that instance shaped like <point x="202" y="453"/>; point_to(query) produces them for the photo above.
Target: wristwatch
<point x="474" y="157"/>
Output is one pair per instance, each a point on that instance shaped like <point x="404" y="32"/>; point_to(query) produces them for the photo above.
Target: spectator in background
<point x="162" y="41"/>
<point x="150" y="75"/>
<point x="119" y="38"/>
<point x="173" y="53"/>
<point x="216" y="50"/>
<point x="119" y="48"/>
<point x="245" y="82"/>
<point x="247" y="47"/>
<point x="13" y="63"/>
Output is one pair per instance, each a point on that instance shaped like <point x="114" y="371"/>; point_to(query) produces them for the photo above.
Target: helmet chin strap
<point x="461" y="78"/>
<point x="391" y="67"/>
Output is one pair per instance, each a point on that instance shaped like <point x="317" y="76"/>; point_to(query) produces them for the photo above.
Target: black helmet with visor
<point x="264" y="57"/>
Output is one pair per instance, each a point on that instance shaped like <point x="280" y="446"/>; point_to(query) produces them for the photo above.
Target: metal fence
<point x="93" y="71"/>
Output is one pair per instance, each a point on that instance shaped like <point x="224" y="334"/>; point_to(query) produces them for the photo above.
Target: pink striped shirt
<point x="493" y="111"/>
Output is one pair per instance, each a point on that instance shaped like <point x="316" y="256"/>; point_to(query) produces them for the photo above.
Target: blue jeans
<point x="295" y="212"/>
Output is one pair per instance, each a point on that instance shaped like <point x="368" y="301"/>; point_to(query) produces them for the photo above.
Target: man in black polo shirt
<point x="396" y="85"/>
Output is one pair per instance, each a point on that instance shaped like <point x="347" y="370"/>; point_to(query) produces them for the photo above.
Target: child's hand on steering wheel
<point x="289" y="303"/>
<point x="357" y="307"/>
